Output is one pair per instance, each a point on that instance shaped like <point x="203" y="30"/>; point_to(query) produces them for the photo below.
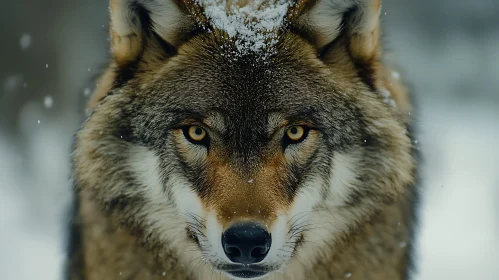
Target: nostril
<point x="259" y="252"/>
<point x="246" y="243"/>
<point x="233" y="251"/>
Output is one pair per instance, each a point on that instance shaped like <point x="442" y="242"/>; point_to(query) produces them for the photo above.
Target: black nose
<point x="246" y="243"/>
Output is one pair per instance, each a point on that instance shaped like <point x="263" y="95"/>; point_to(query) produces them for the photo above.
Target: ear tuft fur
<point x="133" y="21"/>
<point x="325" y="20"/>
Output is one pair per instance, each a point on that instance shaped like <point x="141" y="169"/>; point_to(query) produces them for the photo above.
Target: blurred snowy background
<point x="449" y="50"/>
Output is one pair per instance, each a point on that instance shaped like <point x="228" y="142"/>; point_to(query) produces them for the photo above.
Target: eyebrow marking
<point x="278" y="120"/>
<point x="275" y="121"/>
<point x="215" y="121"/>
<point x="212" y="120"/>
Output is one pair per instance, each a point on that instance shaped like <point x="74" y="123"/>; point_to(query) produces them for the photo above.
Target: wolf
<point x="245" y="139"/>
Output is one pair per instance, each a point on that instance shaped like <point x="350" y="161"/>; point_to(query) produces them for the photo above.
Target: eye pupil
<point x="295" y="134"/>
<point x="195" y="134"/>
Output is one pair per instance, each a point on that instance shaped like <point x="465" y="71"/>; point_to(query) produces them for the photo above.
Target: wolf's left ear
<point x="136" y="22"/>
<point x="323" y="21"/>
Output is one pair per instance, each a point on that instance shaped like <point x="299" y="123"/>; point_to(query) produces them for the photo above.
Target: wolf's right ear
<point x="133" y="22"/>
<point x="160" y="25"/>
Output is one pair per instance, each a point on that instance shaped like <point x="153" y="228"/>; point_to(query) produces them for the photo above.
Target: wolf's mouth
<point x="248" y="273"/>
<point x="245" y="271"/>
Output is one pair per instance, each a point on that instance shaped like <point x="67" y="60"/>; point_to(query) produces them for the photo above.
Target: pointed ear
<point x="134" y="22"/>
<point x="322" y="21"/>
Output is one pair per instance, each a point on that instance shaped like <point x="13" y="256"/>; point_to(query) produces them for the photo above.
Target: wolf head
<point x="244" y="137"/>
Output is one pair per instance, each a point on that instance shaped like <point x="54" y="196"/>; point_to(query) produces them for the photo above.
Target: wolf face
<point x="246" y="157"/>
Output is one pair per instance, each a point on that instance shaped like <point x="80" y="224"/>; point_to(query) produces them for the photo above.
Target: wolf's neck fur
<point x="378" y="251"/>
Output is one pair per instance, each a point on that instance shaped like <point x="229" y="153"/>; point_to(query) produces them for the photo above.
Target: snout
<point x="246" y="243"/>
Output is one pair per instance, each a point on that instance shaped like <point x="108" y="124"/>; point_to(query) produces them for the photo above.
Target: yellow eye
<point x="196" y="133"/>
<point x="296" y="133"/>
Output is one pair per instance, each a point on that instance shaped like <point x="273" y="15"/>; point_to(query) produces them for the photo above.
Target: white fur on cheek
<point x="342" y="177"/>
<point x="303" y="205"/>
<point x="145" y="164"/>
<point x="306" y="199"/>
<point x="161" y="214"/>
<point x="323" y="220"/>
<point x="279" y="233"/>
<point x="185" y="198"/>
<point x="214" y="237"/>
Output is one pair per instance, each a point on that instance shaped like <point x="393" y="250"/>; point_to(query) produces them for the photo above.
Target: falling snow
<point x="87" y="91"/>
<point x="395" y="75"/>
<point x="48" y="101"/>
<point x="12" y="82"/>
<point x="25" y="41"/>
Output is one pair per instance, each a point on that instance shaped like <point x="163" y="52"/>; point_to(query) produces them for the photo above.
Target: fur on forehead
<point x="292" y="81"/>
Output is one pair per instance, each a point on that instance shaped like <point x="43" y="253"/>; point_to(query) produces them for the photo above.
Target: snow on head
<point x="251" y="24"/>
